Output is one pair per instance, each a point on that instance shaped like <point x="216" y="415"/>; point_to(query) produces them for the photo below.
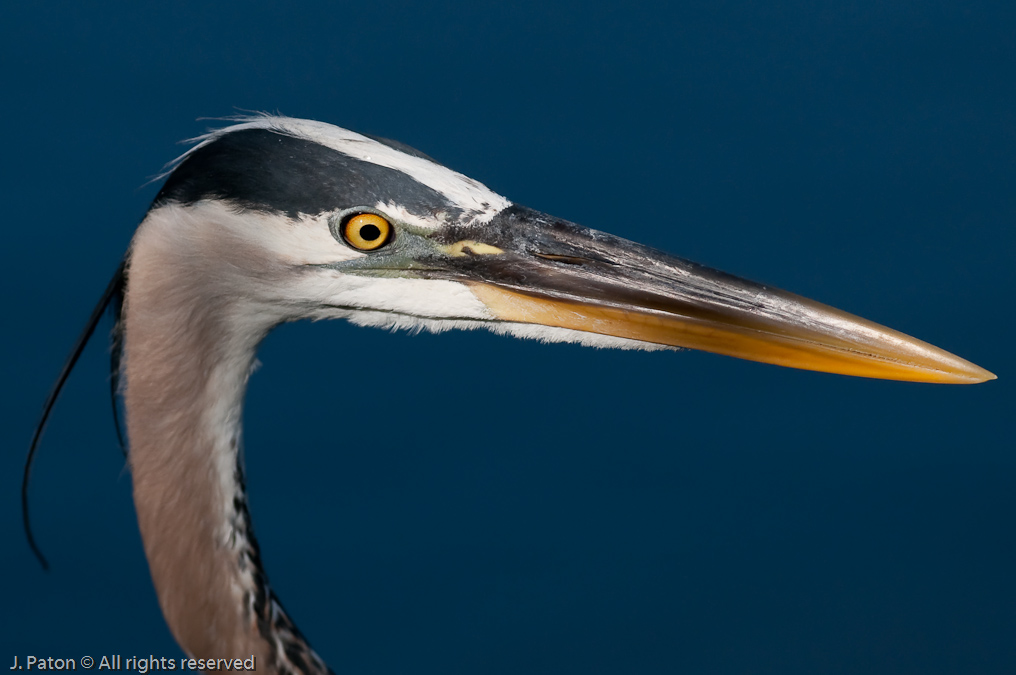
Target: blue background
<point x="502" y="506"/>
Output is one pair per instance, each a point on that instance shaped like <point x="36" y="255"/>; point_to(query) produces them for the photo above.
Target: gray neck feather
<point x="191" y="329"/>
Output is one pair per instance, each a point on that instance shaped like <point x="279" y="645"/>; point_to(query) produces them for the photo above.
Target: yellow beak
<point x="859" y="347"/>
<point x="536" y="269"/>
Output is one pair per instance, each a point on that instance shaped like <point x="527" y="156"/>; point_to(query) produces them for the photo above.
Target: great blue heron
<point x="276" y="219"/>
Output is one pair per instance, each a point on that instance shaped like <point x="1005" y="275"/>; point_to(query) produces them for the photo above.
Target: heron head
<point x="309" y="220"/>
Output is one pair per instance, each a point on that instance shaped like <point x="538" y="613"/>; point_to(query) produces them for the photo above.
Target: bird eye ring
<point x="366" y="231"/>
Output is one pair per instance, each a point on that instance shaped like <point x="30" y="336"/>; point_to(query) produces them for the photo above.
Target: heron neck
<point x="188" y="348"/>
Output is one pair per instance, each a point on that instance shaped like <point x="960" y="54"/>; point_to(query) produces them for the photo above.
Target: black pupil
<point x="370" y="232"/>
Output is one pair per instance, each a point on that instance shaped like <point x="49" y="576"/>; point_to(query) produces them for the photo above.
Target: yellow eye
<point x="367" y="231"/>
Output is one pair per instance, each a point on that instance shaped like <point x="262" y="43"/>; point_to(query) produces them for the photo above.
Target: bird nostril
<point x="566" y="259"/>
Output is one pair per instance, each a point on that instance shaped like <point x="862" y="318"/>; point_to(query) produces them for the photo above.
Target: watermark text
<point x="135" y="664"/>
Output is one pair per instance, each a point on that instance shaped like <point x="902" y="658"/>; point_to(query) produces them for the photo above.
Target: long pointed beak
<point x="532" y="268"/>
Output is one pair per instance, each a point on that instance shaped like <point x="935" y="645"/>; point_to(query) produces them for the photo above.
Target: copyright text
<point x="137" y="664"/>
